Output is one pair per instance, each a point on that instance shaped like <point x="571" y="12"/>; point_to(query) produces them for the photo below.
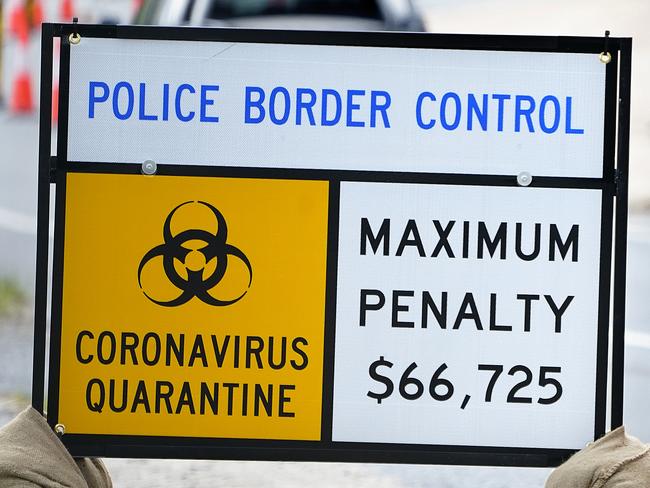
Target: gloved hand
<point x="31" y="455"/>
<point x="613" y="461"/>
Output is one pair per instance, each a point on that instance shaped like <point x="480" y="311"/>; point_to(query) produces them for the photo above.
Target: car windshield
<point x="224" y="9"/>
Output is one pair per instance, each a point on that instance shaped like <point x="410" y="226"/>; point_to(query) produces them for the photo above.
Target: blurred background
<point x="19" y="74"/>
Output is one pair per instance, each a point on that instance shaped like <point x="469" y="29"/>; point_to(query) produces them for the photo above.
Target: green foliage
<point x="12" y="296"/>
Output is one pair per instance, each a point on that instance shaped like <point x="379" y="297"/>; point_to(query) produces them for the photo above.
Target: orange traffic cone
<point x="19" y="24"/>
<point x="22" y="100"/>
<point x="25" y="18"/>
<point x="66" y="11"/>
<point x="137" y="4"/>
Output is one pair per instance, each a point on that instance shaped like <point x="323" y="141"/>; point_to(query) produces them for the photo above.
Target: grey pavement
<point x="637" y="364"/>
<point x="19" y="163"/>
<point x="18" y="198"/>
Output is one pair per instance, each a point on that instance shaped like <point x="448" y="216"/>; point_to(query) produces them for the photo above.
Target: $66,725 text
<point x="442" y="389"/>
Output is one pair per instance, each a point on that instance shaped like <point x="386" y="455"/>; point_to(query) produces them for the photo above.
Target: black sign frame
<point x="613" y="185"/>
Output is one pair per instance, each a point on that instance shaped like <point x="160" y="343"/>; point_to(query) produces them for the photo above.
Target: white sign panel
<point x="466" y="315"/>
<point x="336" y="107"/>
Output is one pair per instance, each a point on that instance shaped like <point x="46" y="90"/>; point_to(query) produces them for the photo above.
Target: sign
<point x="350" y="247"/>
<point x="338" y="107"/>
<point x="221" y="314"/>
<point x="479" y="314"/>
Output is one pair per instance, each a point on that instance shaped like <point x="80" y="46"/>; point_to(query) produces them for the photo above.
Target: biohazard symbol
<point x="175" y="247"/>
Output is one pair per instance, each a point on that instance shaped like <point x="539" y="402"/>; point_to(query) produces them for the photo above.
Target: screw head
<point x="604" y="57"/>
<point x="524" y="178"/>
<point x="149" y="167"/>
<point x="74" y="38"/>
<point x="59" y="429"/>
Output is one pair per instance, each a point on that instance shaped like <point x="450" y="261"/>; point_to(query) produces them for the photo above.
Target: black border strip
<point x="605" y="276"/>
<point x="620" y="256"/>
<point x="609" y="126"/>
<point x="261" y="450"/>
<point x="340" y="175"/>
<point x="43" y="220"/>
<point x="479" y="42"/>
<point x="330" y="312"/>
<point x="607" y="223"/>
<point x="64" y="105"/>
<point x="59" y="237"/>
<point x="57" y="300"/>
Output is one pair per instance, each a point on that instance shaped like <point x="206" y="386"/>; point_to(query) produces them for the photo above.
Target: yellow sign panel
<point x="193" y="306"/>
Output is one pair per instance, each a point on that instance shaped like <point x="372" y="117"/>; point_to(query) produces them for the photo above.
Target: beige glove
<point x="613" y="461"/>
<point x="31" y="455"/>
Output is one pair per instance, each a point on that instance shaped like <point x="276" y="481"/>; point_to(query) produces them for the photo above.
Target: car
<point x="346" y="15"/>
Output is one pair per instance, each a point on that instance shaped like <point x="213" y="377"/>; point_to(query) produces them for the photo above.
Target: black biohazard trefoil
<point x="196" y="284"/>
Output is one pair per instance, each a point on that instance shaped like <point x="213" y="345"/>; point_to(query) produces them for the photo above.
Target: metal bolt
<point x="605" y="57"/>
<point x="59" y="429"/>
<point x="524" y="178"/>
<point x="74" y="38"/>
<point x="149" y="167"/>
